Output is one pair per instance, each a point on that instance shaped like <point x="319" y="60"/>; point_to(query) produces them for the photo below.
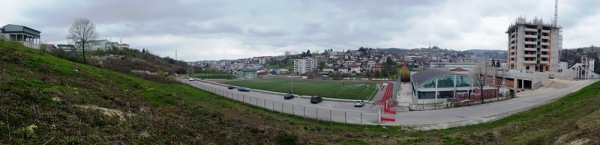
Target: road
<point x="345" y="112"/>
<point x="453" y="117"/>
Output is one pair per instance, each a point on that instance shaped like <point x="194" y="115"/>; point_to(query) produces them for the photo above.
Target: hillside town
<point x="359" y="62"/>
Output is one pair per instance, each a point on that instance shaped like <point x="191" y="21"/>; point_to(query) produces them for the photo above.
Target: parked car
<point x="551" y="76"/>
<point x="230" y="87"/>
<point x="191" y="79"/>
<point x="316" y="99"/>
<point x="244" y="89"/>
<point x="360" y="103"/>
<point x="288" y="96"/>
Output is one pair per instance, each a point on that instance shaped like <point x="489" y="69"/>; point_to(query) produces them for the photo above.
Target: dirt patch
<point x="556" y="85"/>
<point x="57" y="99"/>
<point x="580" y="141"/>
<point x="107" y="111"/>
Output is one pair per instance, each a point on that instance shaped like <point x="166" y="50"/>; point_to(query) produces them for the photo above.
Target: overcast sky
<point x="220" y="29"/>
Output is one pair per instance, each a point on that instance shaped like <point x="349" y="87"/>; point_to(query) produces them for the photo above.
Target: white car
<point x="191" y="79"/>
<point x="360" y="103"/>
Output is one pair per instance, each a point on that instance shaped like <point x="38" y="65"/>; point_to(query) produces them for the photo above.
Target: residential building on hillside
<point x="25" y="35"/>
<point x="305" y="65"/>
<point x="47" y="46"/>
<point x="110" y="45"/>
<point x="66" y="47"/>
<point x="96" y="44"/>
<point x="124" y="45"/>
<point x="533" y="46"/>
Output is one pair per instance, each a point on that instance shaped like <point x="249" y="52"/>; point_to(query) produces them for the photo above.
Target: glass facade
<point x="430" y="84"/>
<point x="446" y="82"/>
<point x="462" y="81"/>
<point x="446" y="94"/>
<point x="426" y="95"/>
<point x="446" y="85"/>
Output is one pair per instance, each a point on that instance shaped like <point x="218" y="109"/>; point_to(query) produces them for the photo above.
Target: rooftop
<point x="11" y="28"/>
<point x="428" y="74"/>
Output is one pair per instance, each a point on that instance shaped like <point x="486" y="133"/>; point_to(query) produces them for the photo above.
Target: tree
<point x="405" y="74"/>
<point x="321" y="65"/>
<point x="478" y="75"/>
<point x="363" y="50"/>
<point x="499" y="73"/>
<point x="81" y="32"/>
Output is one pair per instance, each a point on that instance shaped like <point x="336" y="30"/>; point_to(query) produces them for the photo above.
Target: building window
<point x="430" y="84"/>
<point x="446" y="94"/>
<point x="462" y="81"/>
<point x="426" y="95"/>
<point x="446" y="82"/>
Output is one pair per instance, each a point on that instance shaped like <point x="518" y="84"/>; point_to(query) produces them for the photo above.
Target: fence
<point x="341" y="116"/>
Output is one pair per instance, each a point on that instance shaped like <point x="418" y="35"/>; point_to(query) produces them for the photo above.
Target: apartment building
<point x="304" y="65"/>
<point x="533" y="46"/>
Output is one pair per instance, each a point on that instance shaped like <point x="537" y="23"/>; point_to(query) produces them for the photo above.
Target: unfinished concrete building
<point x="533" y="46"/>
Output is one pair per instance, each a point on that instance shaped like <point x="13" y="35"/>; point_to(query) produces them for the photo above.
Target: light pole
<point x="291" y="85"/>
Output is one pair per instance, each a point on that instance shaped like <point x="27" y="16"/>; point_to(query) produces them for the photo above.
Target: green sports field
<point x="325" y="88"/>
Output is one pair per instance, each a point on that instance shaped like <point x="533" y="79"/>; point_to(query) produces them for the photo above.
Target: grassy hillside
<point x="326" y="88"/>
<point x="47" y="99"/>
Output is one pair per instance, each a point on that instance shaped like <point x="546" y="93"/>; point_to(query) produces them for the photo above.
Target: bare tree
<point x="478" y="75"/>
<point x="81" y="32"/>
<point x="499" y="73"/>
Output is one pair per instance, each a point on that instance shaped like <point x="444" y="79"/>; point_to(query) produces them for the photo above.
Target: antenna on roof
<point x="555" y="13"/>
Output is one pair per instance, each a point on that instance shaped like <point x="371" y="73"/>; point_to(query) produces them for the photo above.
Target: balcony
<point x="544" y="49"/>
<point x="545" y="37"/>
<point x="530" y="30"/>
<point x="530" y="55"/>
<point x="530" y="36"/>
<point x="545" y="56"/>
<point x="530" y="49"/>
<point x="530" y="62"/>
<point x="545" y="31"/>
<point x="545" y="43"/>
<point x="544" y="62"/>
<point x="531" y="42"/>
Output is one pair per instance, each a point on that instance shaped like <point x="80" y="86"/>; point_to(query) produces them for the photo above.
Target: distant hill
<point x="494" y="54"/>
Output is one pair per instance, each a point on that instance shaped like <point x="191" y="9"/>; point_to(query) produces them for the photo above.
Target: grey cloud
<point x="284" y="25"/>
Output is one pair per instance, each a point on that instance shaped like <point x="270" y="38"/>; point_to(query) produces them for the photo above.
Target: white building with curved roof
<point x="436" y="85"/>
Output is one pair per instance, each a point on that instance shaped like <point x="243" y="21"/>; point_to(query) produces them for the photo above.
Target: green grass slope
<point x="326" y="88"/>
<point x="47" y="99"/>
<point x="44" y="98"/>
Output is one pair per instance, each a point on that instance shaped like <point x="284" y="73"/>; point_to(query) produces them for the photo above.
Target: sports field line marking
<point x="341" y="90"/>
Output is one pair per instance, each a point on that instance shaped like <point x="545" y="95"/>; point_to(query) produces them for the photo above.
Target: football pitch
<point x="325" y="88"/>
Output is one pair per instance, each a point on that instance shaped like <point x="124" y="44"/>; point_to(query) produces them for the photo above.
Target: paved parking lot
<point x="345" y="112"/>
<point x="336" y="111"/>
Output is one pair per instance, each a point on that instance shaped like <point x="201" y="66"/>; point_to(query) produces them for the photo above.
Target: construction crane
<point x="555" y="13"/>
